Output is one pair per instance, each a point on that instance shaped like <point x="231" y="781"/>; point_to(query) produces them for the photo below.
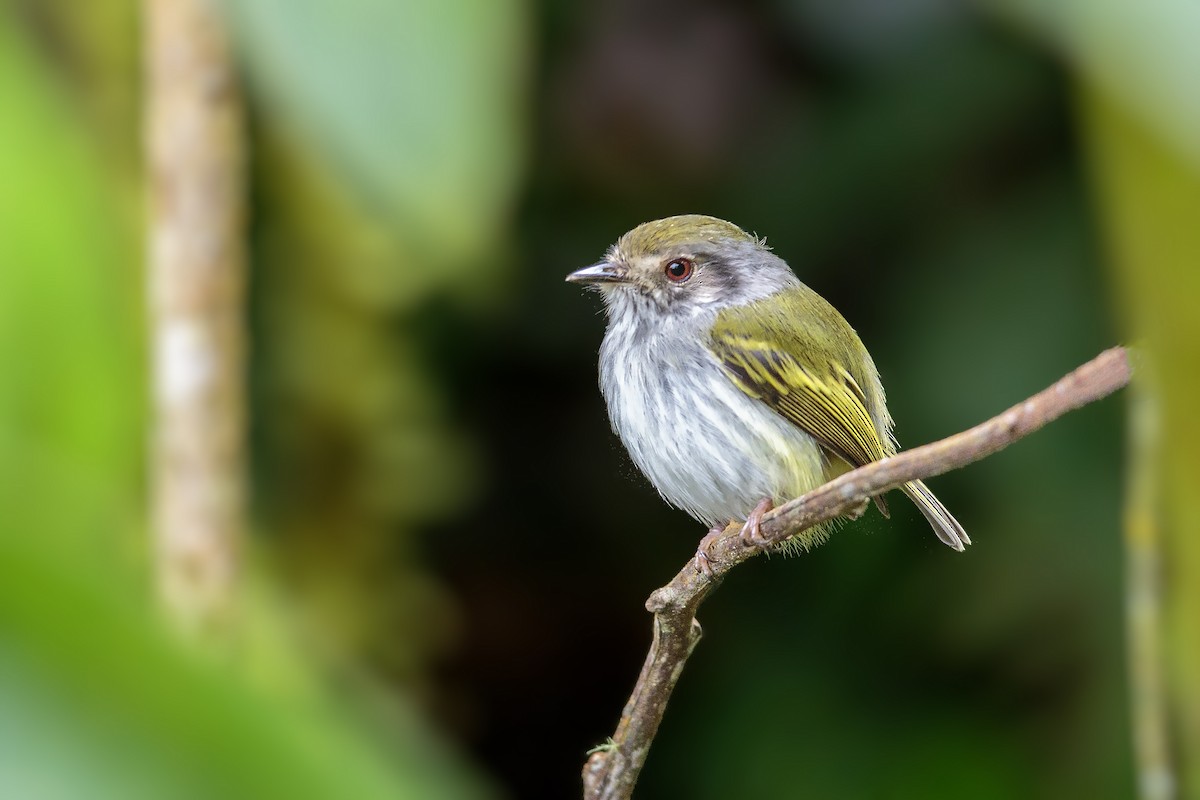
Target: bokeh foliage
<point x="444" y="528"/>
<point x="87" y="677"/>
<point x="1151" y="195"/>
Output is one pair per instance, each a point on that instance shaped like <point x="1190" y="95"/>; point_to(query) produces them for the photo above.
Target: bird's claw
<point x="703" y="559"/>
<point x="751" y="534"/>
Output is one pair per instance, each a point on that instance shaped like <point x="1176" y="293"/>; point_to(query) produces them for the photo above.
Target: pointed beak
<point x="600" y="272"/>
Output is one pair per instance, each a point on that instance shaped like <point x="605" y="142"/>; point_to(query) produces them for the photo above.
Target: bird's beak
<point x="600" y="272"/>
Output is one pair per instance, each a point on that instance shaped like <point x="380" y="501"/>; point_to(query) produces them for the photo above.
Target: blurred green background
<point x="449" y="550"/>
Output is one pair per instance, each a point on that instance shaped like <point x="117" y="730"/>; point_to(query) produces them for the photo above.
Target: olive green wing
<point x="797" y="355"/>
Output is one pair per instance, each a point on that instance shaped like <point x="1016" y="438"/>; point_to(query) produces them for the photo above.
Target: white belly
<point x="707" y="447"/>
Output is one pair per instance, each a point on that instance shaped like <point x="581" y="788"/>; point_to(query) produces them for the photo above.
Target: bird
<point x="733" y="385"/>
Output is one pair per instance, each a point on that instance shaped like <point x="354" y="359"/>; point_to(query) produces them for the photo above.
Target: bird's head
<point x="686" y="263"/>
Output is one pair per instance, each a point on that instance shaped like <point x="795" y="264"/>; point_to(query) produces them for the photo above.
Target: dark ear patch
<point x="719" y="273"/>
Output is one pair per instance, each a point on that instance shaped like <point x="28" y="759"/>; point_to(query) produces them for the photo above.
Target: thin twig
<point x="612" y="771"/>
<point x="195" y="152"/>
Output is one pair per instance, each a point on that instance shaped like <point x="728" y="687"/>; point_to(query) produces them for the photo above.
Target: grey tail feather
<point x="881" y="504"/>
<point x="944" y="524"/>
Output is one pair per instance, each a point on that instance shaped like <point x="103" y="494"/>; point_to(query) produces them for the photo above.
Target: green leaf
<point x="1143" y="55"/>
<point x="417" y="104"/>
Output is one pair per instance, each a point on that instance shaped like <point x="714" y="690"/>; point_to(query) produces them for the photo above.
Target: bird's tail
<point x="944" y="524"/>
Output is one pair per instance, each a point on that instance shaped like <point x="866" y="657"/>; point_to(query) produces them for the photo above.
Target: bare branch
<point x="612" y="772"/>
<point x="195" y="147"/>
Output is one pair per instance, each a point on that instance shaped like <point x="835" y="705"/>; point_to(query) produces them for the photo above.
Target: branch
<point x="612" y="771"/>
<point x="195" y="153"/>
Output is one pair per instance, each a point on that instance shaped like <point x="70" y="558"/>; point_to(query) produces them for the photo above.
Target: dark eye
<point x="679" y="269"/>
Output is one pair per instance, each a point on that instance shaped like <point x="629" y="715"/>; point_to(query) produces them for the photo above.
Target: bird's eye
<point x="679" y="270"/>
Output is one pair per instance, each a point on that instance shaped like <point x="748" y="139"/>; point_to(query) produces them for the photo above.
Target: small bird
<point x="734" y="386"/>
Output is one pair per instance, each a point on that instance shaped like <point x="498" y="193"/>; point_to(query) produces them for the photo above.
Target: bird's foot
<point x="751" y="534"/>
<point x="703" y="559"/>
